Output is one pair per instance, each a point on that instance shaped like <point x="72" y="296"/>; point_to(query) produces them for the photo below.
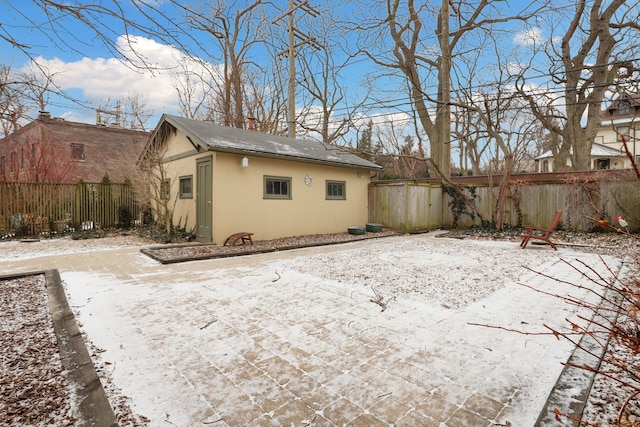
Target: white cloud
<point x="382" y="119"/>
<point x="141" y="52"/>
<point x="529" y="37"/>
<point x="152" y="72"/>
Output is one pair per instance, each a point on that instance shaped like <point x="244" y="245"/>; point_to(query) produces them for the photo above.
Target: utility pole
<point x="291" y="52"/>
<point x="116" y="114"/>
<point x="291" y="99"/>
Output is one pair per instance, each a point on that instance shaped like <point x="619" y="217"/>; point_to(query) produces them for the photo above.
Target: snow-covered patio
<point x="301" y="337"/>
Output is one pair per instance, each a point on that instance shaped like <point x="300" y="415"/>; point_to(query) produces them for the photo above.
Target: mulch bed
<point x="33" y="387"/>
<point x="169" y="254"/>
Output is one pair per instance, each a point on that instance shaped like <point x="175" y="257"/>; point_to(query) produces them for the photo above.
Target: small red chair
<point x="541" y="233"/>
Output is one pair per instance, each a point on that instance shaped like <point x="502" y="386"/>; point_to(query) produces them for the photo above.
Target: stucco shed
<point x="223" y="180"/>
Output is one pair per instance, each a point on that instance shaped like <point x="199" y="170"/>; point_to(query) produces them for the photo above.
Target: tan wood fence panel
<point x="414" y="206"/>
<point x="33" y="208"/>
<point x="406" y="206"/>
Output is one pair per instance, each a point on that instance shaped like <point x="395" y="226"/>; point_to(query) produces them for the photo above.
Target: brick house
<point x="55" y="150"/>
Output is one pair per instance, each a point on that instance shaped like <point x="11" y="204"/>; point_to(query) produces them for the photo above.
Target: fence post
<point x="406" y="207"/>
<point x="34" y="207"/>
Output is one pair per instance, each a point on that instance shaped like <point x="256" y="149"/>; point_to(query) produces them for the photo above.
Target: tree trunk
<point x="498" y="215"/>
<point x="442" y="145"/>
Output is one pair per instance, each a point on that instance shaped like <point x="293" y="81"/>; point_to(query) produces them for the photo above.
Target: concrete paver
<point x="243" y="353"/>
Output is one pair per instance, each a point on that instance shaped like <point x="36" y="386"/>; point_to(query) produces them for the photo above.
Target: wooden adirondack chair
<point x="541" y="233"/>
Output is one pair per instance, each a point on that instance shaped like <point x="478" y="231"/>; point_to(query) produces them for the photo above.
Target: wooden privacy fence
<point x="410" y="206"/>
<point x="414" y="206"/>
<point x="32" y="208"/>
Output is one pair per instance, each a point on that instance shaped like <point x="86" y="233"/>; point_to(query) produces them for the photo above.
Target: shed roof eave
<point x="293" y="158"/>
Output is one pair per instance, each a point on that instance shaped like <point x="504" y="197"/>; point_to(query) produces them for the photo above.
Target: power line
<point x="406" y="101"/>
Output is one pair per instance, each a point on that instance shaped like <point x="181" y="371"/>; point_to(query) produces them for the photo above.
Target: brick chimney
<point x="44" y="115"/>
<point x="251" y="125"/>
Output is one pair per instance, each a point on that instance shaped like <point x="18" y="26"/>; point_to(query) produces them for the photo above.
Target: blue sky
<point x="84" y="67"/>
<point x="92" y="73"/>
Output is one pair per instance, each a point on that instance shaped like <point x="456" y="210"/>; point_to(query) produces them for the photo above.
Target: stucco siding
<point x="238" y="201"/>
<point x="182" y="164"/>
<point x="183" y="211"/>
<point x="177" y="145"/>
<point x="240" y="205"/>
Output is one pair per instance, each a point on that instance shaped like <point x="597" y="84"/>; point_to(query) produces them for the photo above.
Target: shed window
<point x="186" y="187"/>
<point x="277" y="187"/>
<point x="336" y="190"/>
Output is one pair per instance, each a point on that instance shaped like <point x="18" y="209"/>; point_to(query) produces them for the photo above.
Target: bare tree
<point x="585" y="62"/>
<point x="235" y="29"/>
<point x="398" y="151"/>
<point x="193" y="83"/>
<point x="229" y="33"/>
<point x="55" y="21"/>
<point x="327" y="111"/>
<point x="265" y="102"/>
<point x="493" y="125"/>
<point x="425" y="60"/>
<point x="152" y="185"/>
<point x="40" y="84"/>
<point x="13" y="105"/>
<point x="44" y="159"/>
<point x="496" y="129"/>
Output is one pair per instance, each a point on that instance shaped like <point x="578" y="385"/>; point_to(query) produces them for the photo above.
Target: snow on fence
<point x="414" y="206"/>
<point x="29" y="209"/>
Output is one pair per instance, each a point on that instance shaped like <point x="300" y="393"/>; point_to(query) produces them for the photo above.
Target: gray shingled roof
<point x="211" y="137"/>
<point x="633" y="99"/>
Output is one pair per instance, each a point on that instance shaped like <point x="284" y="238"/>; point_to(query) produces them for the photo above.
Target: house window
<point x="77" y="151"/>
<point x="622" y="130"/>
<point x="277" y="187"/>
<point x="186" y="187"/>
<point x="22" y="157"/>
<point x="623" y="107"/>
<point x="603" y="164"/>
<point x="3" y="165"/>
<point x="13" y="161"/>
<point x="545" y="166"/>
<point x="165" y="189"/>
<point x="336" y="190"/>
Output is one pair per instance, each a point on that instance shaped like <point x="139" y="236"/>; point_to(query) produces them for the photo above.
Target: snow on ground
<point x="34" y="248"/>
<point x="161" y="327"/>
